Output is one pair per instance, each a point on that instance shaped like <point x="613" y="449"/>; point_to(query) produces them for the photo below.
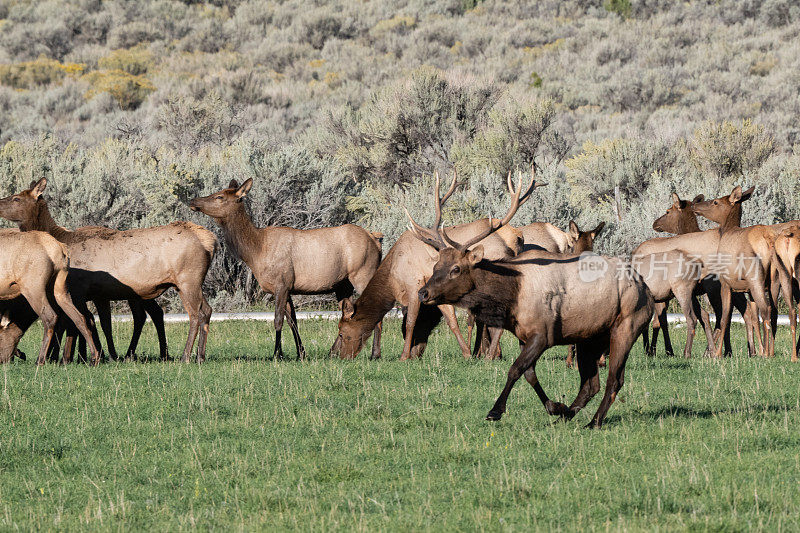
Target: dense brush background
<point x="340" y="111"/>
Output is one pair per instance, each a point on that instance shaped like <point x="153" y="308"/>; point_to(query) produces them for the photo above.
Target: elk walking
<point x="544" y="300"/>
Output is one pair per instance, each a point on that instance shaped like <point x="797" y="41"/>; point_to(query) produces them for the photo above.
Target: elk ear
<point x="242" y="191"/>
<point x="348" y="309"/>
<point x="596" y="231"/>
<point x="748" y="193"/>
<point x="233" y="184"/>
<point x="475" y="255"/>
<point x="39" y="188"/>
<point x="699" y="198"/>
<point x="736" y="195"/>
<point x="573" y="230"/>
<point x="676" y="200"/>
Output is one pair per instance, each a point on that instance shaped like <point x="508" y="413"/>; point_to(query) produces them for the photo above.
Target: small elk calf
<point x="544" y="299"/>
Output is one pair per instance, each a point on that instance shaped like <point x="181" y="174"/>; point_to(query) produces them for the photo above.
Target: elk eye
<point x="218" y="198"/>
<point x="16" y="198"/>
<point x="455" y="271"/>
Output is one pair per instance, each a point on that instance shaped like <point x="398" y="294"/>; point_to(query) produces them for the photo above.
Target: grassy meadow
<point x="244" y="443"/>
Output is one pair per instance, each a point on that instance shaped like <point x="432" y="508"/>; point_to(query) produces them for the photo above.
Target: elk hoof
<point x="494" y="416"/>
<point x="592" y="425"/>
<point x="558" y="409"/>
<point x="301" y="355"/>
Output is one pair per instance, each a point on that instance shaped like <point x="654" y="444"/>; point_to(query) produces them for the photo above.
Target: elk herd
<point x="542" y="284"/>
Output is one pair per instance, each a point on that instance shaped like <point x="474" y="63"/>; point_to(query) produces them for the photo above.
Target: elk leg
<point x="104" y="313"/>
<point x="750" y="316"/>
<point x="587" y="355"/>
<point x="292" y="316"/>
<point x="479" y="334"/>
<point x="376" y="341"/>
<point x="494" y="351"/>
<point x="526" y="360"/>
<point x="725" y="318"/>
<point x="690" y="307"/>
<point x="764" y="304"/>
<point x="449" y="313"/>
<point x="427" y="319"/>
<point x="199" y="312"/>
<point x="470" y="327"/>
<point x="80" y="315"/>
<point x="40" y="304"/>
<point x="157" y="316"/>
<point x="139" y="319"/>
<point x="622" y="337"/>
<point x="410" y="322"/>
<point x="662" y="320"/>
<point x="280" y="309"/>
<point x="570" y="355"/>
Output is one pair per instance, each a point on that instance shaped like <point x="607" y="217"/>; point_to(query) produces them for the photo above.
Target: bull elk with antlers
<point x="288" y="261"/>
<point x="545" y="300"/>
<point x="401" y="274"/>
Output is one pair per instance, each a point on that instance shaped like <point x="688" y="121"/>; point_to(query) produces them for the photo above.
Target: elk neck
<point x="495" y="293"/>
<point x="734" y="218"/>
<point x="688" y="224"/>
<point x="42" y="220"/>
<point x="241" y="234"/>
<point x="378" y="298"/>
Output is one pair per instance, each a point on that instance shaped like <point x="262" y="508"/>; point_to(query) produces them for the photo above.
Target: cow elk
<point x="745" y="259"/>
<point x="544" y="299"/>
<point x="288" y="261"/>
<point x="34" y="265"/>
<point x="134" y="265"/>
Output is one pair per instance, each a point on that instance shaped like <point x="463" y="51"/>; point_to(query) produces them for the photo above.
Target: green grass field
<point x="246" y="443"/>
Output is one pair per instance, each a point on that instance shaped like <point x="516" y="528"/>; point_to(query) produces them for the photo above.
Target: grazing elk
<point x="401" y="274"/>
<point x="545" y="299"/>
<point x="745" y="259"/>
<point x="289" y="261"/>
<point x="133" y="265"/>
<point x="35" y="265"/>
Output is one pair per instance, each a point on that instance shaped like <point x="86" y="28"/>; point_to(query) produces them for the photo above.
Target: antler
<point x="432" y="236"/>
<point x="517" y="199"/>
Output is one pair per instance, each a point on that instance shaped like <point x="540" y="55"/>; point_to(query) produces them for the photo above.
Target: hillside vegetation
<point x="342" y="110"/>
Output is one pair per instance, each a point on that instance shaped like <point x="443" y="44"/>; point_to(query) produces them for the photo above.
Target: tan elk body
<point x="122" y="265"/>
<point x="289" y="261"/>
<point x="34" y="265"/>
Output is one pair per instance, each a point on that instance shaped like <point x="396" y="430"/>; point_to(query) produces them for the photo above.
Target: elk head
<point x="452" y="274"/>
<point x="584" y="240"/>
<point x="680" y="217"/>
<point x="23" y="208"/>
<point x="352" y="333"/>
<point x="726" y="208"/>
<point x="224" y="203"/>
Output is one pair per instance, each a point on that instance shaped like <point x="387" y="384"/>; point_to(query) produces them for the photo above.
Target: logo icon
<point x="591" y="267"/>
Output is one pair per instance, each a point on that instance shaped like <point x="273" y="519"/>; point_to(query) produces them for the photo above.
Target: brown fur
<point x="541" y="298"/>
<point x="34" y="265"/>
<point x="289" y="261"/>
<point x="757" y="242"/>
<point x="126" y="265"/>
